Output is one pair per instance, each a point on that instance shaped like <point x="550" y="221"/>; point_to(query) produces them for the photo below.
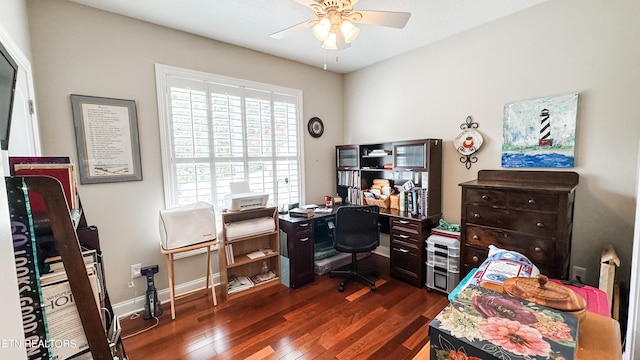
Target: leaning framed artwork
<point x="106" y="139"/>
<point x="540" y="132"/>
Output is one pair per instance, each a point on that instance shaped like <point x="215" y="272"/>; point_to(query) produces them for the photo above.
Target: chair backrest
<point x="357" y="229"/>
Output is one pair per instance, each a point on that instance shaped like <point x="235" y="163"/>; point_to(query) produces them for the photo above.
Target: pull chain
<point x="324" y="56"/>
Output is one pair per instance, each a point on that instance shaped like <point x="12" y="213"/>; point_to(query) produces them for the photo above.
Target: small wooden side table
<point x="171" y="272"/>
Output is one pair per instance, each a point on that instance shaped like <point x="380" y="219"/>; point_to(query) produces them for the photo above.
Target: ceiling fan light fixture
<point x="321" y="29"/>
<point x="349" y="31"/>
<point x="330" y="43"/>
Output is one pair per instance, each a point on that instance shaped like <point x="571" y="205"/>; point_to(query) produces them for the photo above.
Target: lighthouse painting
<point x="540" y="132"/>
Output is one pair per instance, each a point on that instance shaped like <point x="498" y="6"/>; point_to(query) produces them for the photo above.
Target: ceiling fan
<point x="334" y="23"/>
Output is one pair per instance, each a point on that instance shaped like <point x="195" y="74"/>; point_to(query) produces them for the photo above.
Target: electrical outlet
<point x="578" y="274"/>
<point x="135" y="270"/>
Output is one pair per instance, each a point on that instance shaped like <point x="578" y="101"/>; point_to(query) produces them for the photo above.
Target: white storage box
<point x="187" y="225"/>
<point x="443" y="263"/>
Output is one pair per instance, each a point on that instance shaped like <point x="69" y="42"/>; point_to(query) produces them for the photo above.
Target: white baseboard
<point x="135" y="305"/>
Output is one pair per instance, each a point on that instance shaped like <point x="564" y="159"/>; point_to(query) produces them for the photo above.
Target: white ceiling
<point x="248" y="23"/>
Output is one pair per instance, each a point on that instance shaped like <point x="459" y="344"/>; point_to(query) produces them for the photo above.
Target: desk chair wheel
<point x="341" y="288"/>
<point x="373" y="288"/>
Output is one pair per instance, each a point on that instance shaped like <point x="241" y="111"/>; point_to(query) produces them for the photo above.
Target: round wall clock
<point x="315" y="127"/>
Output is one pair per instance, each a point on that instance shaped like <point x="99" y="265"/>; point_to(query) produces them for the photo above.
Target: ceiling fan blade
<point x="290" y="30"/>
<point x="384" y="18"/>
<point x="306" y="2"/>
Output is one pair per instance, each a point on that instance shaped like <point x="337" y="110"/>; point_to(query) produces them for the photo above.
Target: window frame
<point x="162" y="73"/>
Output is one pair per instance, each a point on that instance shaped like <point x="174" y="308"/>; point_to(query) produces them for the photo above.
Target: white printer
<point x="241" y="198"/>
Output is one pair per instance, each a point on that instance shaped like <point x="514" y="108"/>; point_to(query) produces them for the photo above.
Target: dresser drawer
<point x="532" y="201"/>
<point x="533" y="223"/>
<point x="473" y="257"/>
<point x="487" y="197"/>
<point x="538" y="250"/>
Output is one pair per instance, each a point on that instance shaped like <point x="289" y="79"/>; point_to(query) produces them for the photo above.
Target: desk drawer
<point x="406" y="262"/>
<point x="302" y="227"/>
<point x="402" y="236"/>
<point x="406" y="226"/>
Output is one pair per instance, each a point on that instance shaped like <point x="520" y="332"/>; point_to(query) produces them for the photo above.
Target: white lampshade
<point x="349" y="31"/>
<point x="330" y="42"/>
<point x="321" y="29"/>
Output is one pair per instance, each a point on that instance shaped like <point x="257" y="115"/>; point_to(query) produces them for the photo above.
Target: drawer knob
<point x="476" y="215"/>
<point x="303" y="225"/>
<point x="304" y="239"/>
<point x="475" y="259"/>
<point x="403" y="236"/>
<point x="476" y="237"/>
<point x="540" y="225"/>
<point x="485" y="197"/>
<point x="537" y="249"/>
<point x="401" y="250"/>
<point x="532" y="202"/>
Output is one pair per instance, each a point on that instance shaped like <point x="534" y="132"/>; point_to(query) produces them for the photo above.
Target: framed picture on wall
<point x="106" y="139"/>
<point x="540" y="132"/>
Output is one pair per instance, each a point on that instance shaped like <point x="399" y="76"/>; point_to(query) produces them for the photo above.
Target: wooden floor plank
<point x="315" y="321"/>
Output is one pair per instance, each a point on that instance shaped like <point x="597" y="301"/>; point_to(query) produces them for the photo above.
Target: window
<point x="217" y="130"/>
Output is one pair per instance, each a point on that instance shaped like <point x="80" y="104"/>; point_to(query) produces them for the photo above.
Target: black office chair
<point x="356" y="231"/>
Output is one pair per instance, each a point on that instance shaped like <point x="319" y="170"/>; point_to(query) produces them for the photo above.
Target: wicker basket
<point x="382" y="203"/>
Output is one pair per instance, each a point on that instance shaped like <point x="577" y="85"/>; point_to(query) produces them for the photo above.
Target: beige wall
<point x="13" y="19"/>
<point x="79" y="50"/>
<point x="547" y="50"/>
<point x="554" y="48"/>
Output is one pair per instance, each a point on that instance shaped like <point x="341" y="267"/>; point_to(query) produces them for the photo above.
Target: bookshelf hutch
<point x="420" y="161"/>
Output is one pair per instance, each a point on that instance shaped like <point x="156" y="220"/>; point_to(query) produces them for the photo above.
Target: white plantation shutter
<point x="217" y="130"/>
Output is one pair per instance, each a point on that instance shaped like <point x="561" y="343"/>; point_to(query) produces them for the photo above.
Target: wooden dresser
<point x="530" y="212"/>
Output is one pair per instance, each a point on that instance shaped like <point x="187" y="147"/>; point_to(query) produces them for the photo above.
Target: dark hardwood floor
<point x="312" y="322"/>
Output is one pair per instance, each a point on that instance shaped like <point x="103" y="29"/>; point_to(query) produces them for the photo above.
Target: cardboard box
<point x="484" y="324"/>
<point x="395" y="201"/>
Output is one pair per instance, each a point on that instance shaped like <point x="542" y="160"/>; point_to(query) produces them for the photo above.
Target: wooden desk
<point x="407" y="235"/>
<point x="171" y="272"/>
